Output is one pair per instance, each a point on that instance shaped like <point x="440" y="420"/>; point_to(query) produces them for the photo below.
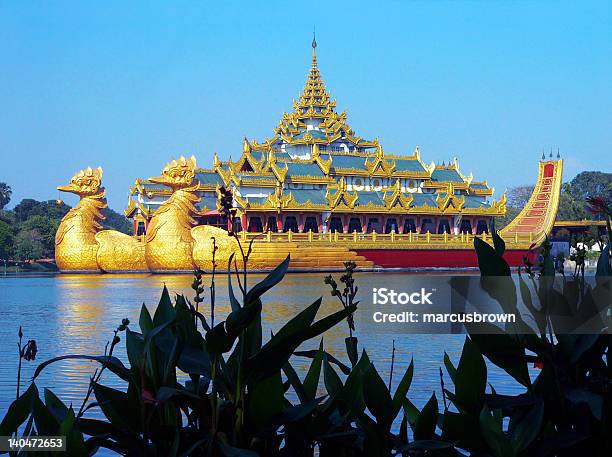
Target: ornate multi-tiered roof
<point x="315" y="164"/>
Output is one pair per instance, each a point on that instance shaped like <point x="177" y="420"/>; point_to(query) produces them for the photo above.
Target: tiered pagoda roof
<point x="314" y="146"/>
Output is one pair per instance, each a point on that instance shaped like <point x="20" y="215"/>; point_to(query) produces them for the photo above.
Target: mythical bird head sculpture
<point x="178" y="173"/>
<point x="85" y="183"/>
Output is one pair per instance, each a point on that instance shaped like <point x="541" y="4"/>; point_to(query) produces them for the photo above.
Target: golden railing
<point x="396" y="240"/>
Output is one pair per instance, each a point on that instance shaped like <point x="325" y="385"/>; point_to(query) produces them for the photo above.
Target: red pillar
<point x="345" y="220"/>
<point x="279" y="222"/>
<point x="364" y="224"/>
<point x="243" y="222"/>
<point x="320" y="222"/>
<point x="301" y="222"/>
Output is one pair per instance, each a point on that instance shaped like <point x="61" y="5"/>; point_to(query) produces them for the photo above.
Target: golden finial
<point x="315" y="151"/>
<point x="246" y="147"/>
<point x="314" y="49"/>
<point x="271" y="157"/>
<point x="216" y="161"/>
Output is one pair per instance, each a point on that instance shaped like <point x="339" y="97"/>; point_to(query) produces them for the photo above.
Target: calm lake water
<point x="76" y="314"/>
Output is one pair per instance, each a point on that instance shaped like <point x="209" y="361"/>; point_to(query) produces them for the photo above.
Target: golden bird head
<point x="86" y="182"/>
<point x="178" y="173"/>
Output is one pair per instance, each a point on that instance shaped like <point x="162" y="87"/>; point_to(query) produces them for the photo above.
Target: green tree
<point x="28" y="245"/>
<point x="42" y="228"/>
<point x="116" y="221"/>
<point x="29" y="207"/>
<point x="6" y="240"/>
<point x="5" y="194"/>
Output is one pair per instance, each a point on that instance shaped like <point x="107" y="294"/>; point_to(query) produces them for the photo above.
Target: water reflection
<point x="78" y="313"/>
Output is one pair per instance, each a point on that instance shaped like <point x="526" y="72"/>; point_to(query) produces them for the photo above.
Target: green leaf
<point x="501" y="349"/>
<point x="311" y="381"/>
<point x="55" y="405"/>
<point x="603" y="262"/>
<point x="218" y="341"/>
<point x="489" y="261"/>
<point x="295" y="382"/>
<point x="229" y="451"/>
<point x="351" y="349"/>
<point x="265" y="400"/>
<point x="464" y="429"/>
<point x="145" y="322"/>
<point x="273" y="278"/>
<point x="241" y="318"/>
<point x="471" y="378"/>
<point x="450" y="368"/>
<point x="311" y="354"/>
<point x="528" y="428"/>
<point x="118" y="407"/>
<point x="411" y="412"/>
<point x="493" y="434"/>
<point x="230" y="289"/>
<point x="377" y="397"/>
<point x="402" y="389"/>
<point x="297" y="412"/>
<point x="425" y="426"/>
<point x="594" y="401"/>
<point x="75" y="444"/>
<point x="18" y="411"/>
<point x="498" y="242"/>
<point x="112" y="363"/>
<point x="332" y="381"/>
<point x="164" y="312"/>
<point x="135" y="344"/>
<point x="46" y="423"/>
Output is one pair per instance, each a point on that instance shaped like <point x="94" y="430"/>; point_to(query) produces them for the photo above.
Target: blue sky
<point x="131" y="86"/>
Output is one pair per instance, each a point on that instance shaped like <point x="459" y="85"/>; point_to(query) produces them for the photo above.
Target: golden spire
<point x="314" y="50"/>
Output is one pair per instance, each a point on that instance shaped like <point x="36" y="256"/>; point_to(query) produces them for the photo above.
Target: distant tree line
<point x="572" y="203"/>
<point x="27" y="232"/>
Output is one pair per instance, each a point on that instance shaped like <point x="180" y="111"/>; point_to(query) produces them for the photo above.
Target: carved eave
<point x="279" y="172"/>
<point x="450" y="203"/>
<point x="380" y="167"/>
<point x="324" y="165"/>
<point x="130" y="209"/>
<point x="397" y="198"/>
<point x="242" y="203"/>
<point x="341" y="198"/>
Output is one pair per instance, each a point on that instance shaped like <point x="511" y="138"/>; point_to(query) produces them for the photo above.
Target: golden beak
<point x="159" y="180"/>
<point x="68" y="188"/>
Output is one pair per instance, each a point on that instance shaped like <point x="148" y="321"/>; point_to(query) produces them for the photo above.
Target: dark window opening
<point x="466" y="226"/>
<point x="290" y="224"/>
<point x="444" y="226"/>
<point x="354" y="225"/>
<point x="391" y="225"/>
<point x="409" y="226"/>
<point x="482" y="227"/>
<point x="140" y="230"/>
<point x="255" y="224"/>
<point x="272" y="225"/>
<point x="311" y="224"/>
<point x="373" y="225"/>
<point x="427" y="226"/>
<point x="246" y="166"/>
<point x="335" y="225"/>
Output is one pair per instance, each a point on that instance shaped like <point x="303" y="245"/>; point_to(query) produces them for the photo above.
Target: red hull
<point x="435" y="258"/>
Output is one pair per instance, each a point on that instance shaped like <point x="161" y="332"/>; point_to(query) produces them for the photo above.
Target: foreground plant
<point x="243" y="397"/>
